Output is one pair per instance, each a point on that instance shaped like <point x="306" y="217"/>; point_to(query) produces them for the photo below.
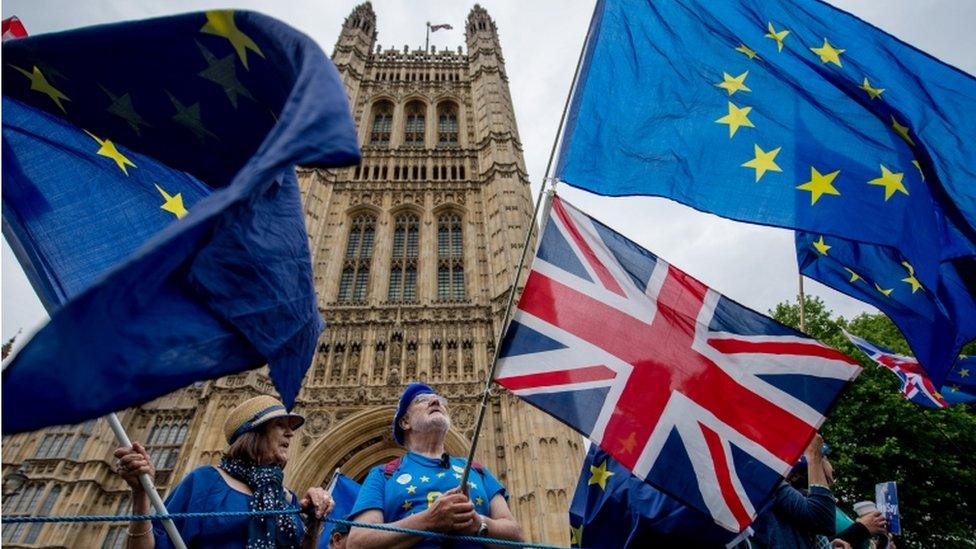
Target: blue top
<point x="794" y="518"/>
<point x="203" y="489"/>
<point x="416" y="483"/>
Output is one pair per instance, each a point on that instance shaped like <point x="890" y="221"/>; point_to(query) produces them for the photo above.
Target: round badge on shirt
<point x="404" y="478"/>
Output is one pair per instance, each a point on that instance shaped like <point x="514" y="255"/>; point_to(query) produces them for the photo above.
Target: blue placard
<point x="886" y="496"/>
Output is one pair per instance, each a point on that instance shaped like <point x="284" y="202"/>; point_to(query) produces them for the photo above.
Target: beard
<point x="432" y="424"/>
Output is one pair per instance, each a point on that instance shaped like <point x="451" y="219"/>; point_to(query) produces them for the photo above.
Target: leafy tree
<point x="876" y="435"/>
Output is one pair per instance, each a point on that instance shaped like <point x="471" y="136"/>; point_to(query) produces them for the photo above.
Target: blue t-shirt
<point x="203" y="489"/>
<point x="416" y="483"/>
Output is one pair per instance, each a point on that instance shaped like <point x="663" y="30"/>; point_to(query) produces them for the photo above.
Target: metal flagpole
<point x="147" y="484"/>
<point x="803" y="307"/>
<point x="427" y="41"/>
<point x="486" y="394"/>
<point x="332" y="482"/>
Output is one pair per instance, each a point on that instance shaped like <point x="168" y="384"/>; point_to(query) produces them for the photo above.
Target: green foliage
<point x="876" y="435"/>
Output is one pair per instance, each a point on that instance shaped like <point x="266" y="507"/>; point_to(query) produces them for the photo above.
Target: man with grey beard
<point x="421" y="490"/>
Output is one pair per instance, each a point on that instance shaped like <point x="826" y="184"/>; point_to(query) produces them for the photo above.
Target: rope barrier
<point x="276" y="512"/>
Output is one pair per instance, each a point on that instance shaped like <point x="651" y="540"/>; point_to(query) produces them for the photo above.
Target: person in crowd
<point x="337" y="539"/>
<point x="421" y="489"/>
<point x="249" y="478"/>
<point x="795" y="519"/>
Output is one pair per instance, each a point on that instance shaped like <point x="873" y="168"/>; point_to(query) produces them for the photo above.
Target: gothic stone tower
<point x="413" y="251"/>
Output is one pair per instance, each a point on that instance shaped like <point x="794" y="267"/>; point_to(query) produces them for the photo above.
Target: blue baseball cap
<point x="411" y="392"/>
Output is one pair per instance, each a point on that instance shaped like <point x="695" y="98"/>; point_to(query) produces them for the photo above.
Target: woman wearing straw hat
<point x="249" y="478"/>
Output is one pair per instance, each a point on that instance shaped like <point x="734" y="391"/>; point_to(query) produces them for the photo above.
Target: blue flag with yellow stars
<point x="344" y="493"/>
<point x="960" y="384"/>
<point x="935" y="320"/>
<point x="150" y="195"/>
<point x="613" y="508"/>
<point x="791" y="114"/>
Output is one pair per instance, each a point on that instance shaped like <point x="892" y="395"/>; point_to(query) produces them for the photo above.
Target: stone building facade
<point x="414" y="251"/>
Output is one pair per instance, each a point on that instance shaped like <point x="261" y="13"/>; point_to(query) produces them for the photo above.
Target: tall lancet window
<point x="450" y="258"/>
<point x="447" y="124"/>
<point x="403" y="265"/>
<point x="415" y="126"/>
<point x="359" y="255"/>
<point x="382" y="124"/>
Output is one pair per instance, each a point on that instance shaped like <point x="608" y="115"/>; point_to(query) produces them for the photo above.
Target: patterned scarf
<point x="265" y="482"/>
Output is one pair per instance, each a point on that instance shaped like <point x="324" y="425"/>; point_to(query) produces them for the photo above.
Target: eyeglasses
<point x="429" y="397"/>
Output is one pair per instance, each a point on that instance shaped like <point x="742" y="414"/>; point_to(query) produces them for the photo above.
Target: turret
<point x="355" y="43"/>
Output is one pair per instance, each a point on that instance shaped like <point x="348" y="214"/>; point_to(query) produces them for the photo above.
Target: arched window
<point x="403" y="266"/>
<point x="413" y="135"/>
<point x="382" y="123"/>
<point x="450" y="258"/>
<point x="447" y="124"/>
<point x="164" y="444"/>
<point x="359" y="256"/>
<point x="49" y="501"/>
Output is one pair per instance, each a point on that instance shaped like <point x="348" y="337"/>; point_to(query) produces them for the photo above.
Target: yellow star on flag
<point x="407" y="505"/>
<point x="886" y="292"/>
<point x="40" y="84"/>
<point x="819" y="185"/>
<point x="890" y="181"/>
<point x="902" y="131"/>
<point x="411" y="489"/>
<point x="765" y="161"/>
<point x="873" y="93"/>
<point x="221" y="23"/>
<point x="964" y="372"/>
<point x="821" y="246"/>
<point x="736" y="118"/>
<point x="854" y="276"/>
<point x="828" y="53"/>
<point x="777" y="36"/>
<point x="173" y="204"/>
<point x="576" y="535"/>
<point x="911" y="280"/>
<point x="747" y="51"/>
<point x="919" y="168"/>
<point x="733" y="84"/>
<point x="425" y="478"/>
<point x="599" y="475"/>
<point x="107" y="149"/>
<point x="478" y="500"/>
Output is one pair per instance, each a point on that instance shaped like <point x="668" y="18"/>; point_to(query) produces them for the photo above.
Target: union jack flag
<point x="915" y="385"/>
<point x="702" y="397"/>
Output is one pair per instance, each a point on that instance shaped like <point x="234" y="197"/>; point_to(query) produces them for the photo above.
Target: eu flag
<point x="960" y="387"/>
<point x="344" y="493"/>
<point x="613" y="508"/>
<point x="935" y="320"/>
<point x="791" y="114"/>
<point x="150" y="194"/>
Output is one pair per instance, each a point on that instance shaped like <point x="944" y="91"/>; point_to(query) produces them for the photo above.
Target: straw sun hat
<point x="255" y="412"/>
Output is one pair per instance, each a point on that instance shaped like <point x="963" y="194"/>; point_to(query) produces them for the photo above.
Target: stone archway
<point x="356" y="444"/>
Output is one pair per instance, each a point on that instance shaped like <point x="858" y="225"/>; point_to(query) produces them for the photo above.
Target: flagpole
<point x="803" y="307"/>
<point x="427" y="41"/>
<point x="145" y="480"/>
<point x="332" y="482"/>
<point x="147" y="484"/>
<point x="486" y="393"/>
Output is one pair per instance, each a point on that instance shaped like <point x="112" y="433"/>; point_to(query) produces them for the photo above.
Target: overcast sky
<point x="541" y="41"/>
